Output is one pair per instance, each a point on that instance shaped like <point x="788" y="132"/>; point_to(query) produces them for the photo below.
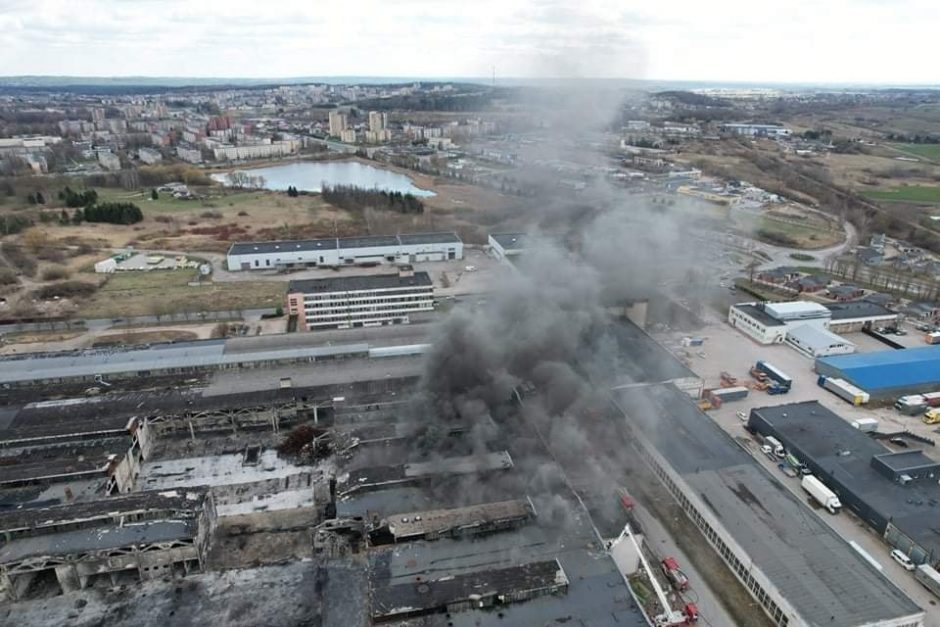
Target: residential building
<point x="338" y="123"/>
<point x="348" y="136"/>
<point x="378" y="121"/>
<point x="190" y="154"/>
<point x="844" y="292"/>
<point x="357" y="301"/>
<point x="109" y="160"/>
<point x="149" y="156"/>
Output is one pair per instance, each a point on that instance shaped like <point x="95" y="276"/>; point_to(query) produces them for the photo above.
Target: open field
<point x="908" y="193"/>
<point x="160" y="293"/>
<point x="808" y="231"/>
<point x="931" y="152"/>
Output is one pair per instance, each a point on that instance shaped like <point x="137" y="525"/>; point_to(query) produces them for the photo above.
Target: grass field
<point x="812" y="235"/>
<point x="931" y="152"/>
<point x="908" y="193"/>
<point x="159" y="293"/>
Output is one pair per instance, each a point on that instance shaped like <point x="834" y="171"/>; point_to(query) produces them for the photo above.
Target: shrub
<point x="114" y="213"/>
<point x="211" y="215"/>
<point x="242" y="213"/>
<point x="66" y="289"/>
<point x="8" y="276"/>
<point x="54" y="273"/>
<point x="20" y="258"/>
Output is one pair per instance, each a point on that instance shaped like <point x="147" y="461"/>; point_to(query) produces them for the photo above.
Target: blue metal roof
<point x="890" y="368"/>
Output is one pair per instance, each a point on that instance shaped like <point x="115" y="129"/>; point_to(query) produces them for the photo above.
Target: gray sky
<point x="877" y="41"/>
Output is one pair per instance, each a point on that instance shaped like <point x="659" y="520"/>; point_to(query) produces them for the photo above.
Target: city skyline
<point x="726" y="41"/>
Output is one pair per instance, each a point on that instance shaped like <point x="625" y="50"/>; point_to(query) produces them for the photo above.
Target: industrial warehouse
<point x="348" y="251"/>
<point x="770" y="323"/>
<point x="896" y="493"/>
<point x="356" y="301"/>
<point x="796" y="567"/>
<point x="887" y="374"/>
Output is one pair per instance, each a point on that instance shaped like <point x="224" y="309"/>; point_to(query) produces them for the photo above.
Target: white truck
<point x="773" y="445"/>
<point x="821" y="494"/>
<point x="928" y="577"/>
<point x="868" y="425"/>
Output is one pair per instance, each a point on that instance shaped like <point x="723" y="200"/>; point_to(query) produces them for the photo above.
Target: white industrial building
<point x="347" y="251"/>
<point x="768" y="323"/>
<point x="814" y="341"/>
<point x="506" y="245"/>
<point x="358" y="301"/>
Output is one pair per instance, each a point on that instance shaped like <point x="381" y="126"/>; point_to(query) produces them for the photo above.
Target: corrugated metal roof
<point x="888" y="369"/>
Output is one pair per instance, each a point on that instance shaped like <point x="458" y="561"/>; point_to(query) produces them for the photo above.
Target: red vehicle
<point x="691" y="613"/>
<point x="675" y="576"/>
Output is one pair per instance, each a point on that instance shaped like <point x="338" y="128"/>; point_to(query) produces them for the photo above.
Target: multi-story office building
<point x="357" y="301"/>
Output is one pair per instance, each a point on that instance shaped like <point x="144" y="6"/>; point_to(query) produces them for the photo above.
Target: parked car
<point x="898" y="442"/>
<point x="899" y="556"/>
<point x="742" y="416"/>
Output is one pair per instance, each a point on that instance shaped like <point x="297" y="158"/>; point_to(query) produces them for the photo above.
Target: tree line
<point x="352" y="197"/>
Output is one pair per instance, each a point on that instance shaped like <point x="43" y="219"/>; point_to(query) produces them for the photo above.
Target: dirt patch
<point x="161" y="293"/>
<point x="143" y="337"/>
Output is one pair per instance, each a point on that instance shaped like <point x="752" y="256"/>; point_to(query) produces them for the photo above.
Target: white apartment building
<point x="378" y="121"/>
<point x="337" y="123"/>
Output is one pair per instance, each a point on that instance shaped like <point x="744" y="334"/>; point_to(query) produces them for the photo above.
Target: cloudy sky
<point x="876" y="41"/>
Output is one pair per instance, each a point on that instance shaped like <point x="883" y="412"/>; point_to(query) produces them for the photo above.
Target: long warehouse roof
<point x="332" y="243"/>
<point x="824" y="579"/>
<point x="890" y="368"/>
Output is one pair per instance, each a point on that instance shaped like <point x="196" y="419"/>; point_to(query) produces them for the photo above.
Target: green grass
<point x="908" y="193"/>
<point x="931" y="152"/>
<point x="156" y="292"/>
<point x="802" y="257"/>
<point x="167" y="204"/>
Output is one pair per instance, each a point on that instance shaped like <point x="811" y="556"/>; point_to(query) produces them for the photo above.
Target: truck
<point x="735" y="393"/>
<point x="821" y="494"/>
<point x="775" y="446"/>
<point x="928" y="577"/>
<point x="796" y="464"/>
<point x="932" y="417"/>
<point x="868" y="425"/>
<point x="932" y="338"/>
<point x="676" y="577"/>
<point x="844" y="390"/>
<point x="774" y="373"/>
<point x="911" y="405"/>
<point x="728" y="380"/>
<point x="776" y="388"/>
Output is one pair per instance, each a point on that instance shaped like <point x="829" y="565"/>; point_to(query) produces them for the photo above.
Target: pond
<point x="310" y="176"/>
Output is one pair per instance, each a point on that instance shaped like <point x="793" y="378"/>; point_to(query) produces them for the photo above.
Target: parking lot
<point x="727" y="350"/>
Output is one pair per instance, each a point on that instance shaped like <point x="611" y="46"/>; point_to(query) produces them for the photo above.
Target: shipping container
<point x="865" y="424"/>
<point x="728" y="394"/>
<point x="775" y="373"/>
<point x="932" y="399"/>
<point x="844" y="390"/>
